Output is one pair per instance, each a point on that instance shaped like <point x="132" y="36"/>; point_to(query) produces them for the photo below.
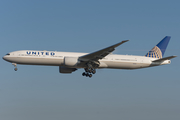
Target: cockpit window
<point x="8" y="54"/>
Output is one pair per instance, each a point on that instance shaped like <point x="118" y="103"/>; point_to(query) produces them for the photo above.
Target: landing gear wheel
<point x="83" y="74"/>
<point x="90" y="70"/>
<point x="87" y="74"/>
<point x="15" y="69"/>
<point x="86" y="69"/>
<point x="90" y="75"/>
<point x="94" y="71"/>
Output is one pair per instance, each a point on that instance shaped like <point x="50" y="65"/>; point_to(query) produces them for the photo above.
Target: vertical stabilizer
<point x="159" y="50"/>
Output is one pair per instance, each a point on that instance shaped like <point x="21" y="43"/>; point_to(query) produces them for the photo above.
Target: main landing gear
<point x="90" y="69"/>
<point x="15" y="65"/>
<point x="88" y="72"/>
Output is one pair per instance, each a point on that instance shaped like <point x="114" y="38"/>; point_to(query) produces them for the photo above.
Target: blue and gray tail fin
<point x="159" y="50"/>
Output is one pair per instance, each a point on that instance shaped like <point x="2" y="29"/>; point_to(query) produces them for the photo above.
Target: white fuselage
<point x="53" y="58"/>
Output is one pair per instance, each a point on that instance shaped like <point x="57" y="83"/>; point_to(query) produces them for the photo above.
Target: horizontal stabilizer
<point x="166" y="58"/>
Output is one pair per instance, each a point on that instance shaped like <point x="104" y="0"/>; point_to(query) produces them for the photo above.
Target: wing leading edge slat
<point x="101" y="53"/>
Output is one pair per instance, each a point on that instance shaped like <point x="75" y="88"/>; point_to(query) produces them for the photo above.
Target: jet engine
<point x="70" y="61"/>
<point x="63" y="69"/>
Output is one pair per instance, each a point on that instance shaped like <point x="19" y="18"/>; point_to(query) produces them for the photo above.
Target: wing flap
<point x="101" y="53"/>
<point x="163" y="59"/>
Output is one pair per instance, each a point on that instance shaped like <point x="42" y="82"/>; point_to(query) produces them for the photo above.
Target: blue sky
<point x="41" y="92"/>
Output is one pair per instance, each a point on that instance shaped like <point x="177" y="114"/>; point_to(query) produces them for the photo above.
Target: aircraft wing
<point x="163" y="59"/>
<point x="101" y="53"/>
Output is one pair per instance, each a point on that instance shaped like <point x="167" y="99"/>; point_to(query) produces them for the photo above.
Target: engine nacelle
<point x="63" y="69"/>
<point x="70" y="61"/>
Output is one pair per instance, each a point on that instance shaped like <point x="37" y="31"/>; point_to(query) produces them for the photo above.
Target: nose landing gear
<point x="15" y="69"/>
<point x="15" y="65"/>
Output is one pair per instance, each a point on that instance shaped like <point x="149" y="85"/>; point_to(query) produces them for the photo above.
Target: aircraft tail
<point x="159" y="50"/>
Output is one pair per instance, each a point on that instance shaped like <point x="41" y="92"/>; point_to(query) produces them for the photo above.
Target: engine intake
<point x="70" y="61"/>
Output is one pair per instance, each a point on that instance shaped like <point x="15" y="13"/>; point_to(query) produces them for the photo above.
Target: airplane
<point x="69" y="62"/>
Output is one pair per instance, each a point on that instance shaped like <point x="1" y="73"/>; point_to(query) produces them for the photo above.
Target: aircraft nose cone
<point x="4" y="57"/>
<point x="7" y="58"/>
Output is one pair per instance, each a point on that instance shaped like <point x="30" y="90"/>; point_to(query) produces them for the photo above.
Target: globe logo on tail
<point x="154" y="53"/>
